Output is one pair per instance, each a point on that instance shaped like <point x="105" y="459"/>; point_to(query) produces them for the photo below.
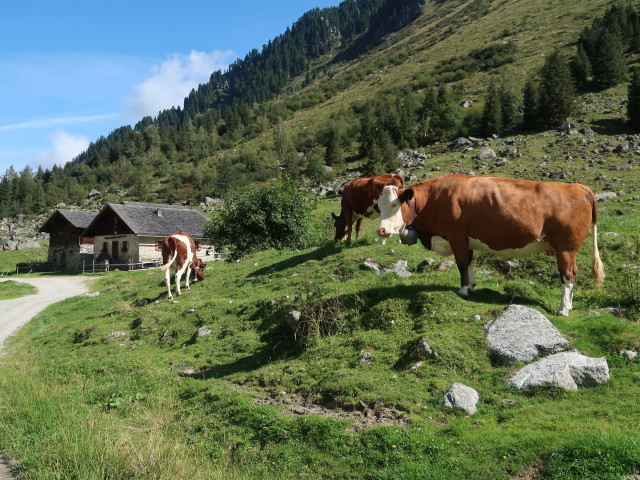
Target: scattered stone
<point x="447" y="264"/>
<point x="114" y="335"/>
<point x="166" y="337"/>
<point x="423" y="351"/>
<point x="508" y="266"/>
<point x="567" y="370"/>
<point x="462" y="397"/>
<point x="366" y="359"/>
<point x="93" y="193"/>
<point x="191" y="310"/>
<point x="629" y="354"/>
<point x="486" y="153"/>
<point x="400" y="269"/>
<point x="202" y="331"/>
<point x="373" y="266"/>
<point x="293" y="319"/>
<point x="520" y="334"/>
<point x="605" y="195"/>
<point x="415" y="366"/>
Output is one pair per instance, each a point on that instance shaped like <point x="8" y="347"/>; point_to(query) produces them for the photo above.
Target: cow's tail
<point x="167" y="265"/>
<point x="597" y="269"/>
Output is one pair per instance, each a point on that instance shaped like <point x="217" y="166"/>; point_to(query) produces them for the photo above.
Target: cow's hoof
<point x="562" y="313"/>
<point x="464" y="292"/>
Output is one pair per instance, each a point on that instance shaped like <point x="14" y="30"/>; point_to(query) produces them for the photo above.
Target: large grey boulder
<point x="486" y="153"/>
<point x="462" y="397"/>
<point x="520" y="334"/>
<point x="567" y="370"/>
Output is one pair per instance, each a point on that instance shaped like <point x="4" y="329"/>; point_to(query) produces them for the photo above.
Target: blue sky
<point x="72" y="71"/>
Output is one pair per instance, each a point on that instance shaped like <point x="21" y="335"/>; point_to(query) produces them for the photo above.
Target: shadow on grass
<point x="317" y="254"/>
<point x="610" y="126"/>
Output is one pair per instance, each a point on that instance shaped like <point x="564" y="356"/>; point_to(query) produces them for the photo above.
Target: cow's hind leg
<point x="167" y="279"/>
<point x="186" y="283"/>
<point x="178" y="280"/>
<point x="568" y="270"/>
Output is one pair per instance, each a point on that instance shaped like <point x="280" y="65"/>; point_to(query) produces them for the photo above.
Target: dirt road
<point x="16" y="312"/>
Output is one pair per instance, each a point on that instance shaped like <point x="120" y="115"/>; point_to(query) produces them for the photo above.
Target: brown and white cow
<point x="179" y="254"/>
<point x="456" y="214"/>
<point x="358" y="201"/>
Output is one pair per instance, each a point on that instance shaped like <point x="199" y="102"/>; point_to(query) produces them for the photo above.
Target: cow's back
<point x="503" y="213"/>
<point x="361" y="193"/>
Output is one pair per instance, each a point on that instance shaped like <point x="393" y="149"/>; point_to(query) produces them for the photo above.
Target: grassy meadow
<point x="252" y="400"/>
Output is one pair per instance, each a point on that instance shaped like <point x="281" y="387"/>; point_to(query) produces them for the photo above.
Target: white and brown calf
<point x="179" y="254"/>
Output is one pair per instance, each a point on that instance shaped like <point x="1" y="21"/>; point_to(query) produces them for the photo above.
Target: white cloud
<point x="64" y="147"/>
<point x="172" y="81"/>
<point x="50" y="122"/>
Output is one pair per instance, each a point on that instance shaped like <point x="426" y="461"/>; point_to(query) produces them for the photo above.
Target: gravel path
<point x="16" y="312"/>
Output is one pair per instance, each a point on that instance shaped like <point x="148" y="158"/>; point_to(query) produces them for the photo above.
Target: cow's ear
<point x="406" y="195"/>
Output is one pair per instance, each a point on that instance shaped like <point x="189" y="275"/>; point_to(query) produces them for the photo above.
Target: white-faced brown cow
<point x="358" y="201"/>
<point x="179" y="254"/>
<point x="456" y="214"/>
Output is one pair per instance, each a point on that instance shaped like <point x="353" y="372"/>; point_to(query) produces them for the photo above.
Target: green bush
<point x="275" y="215"/>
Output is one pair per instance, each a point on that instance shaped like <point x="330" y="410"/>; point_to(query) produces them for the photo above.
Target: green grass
<point x="12" y="289"/>
<point x="161" y="403"/>
<point x="9" y="258"/>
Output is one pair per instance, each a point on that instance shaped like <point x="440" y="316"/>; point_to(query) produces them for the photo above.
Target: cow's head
<point x="198" y="267"/>
<point x="341" y="227"/>
<point x="390" y="205"/>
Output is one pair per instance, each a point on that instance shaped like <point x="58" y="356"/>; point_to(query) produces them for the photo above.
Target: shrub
<point x="275" y="215"/>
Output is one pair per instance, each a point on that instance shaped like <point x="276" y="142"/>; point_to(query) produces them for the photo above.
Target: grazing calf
<point x="359" y="201"/>
<point x="179" y="254"/>
<point x="456" y="214"/>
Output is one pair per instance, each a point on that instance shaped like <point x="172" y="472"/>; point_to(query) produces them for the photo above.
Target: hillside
<point x="371" y="67"/>
<point x="126" y="384"/>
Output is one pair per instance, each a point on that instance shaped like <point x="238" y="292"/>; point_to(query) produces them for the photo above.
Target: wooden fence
<point x="94" y="267"/>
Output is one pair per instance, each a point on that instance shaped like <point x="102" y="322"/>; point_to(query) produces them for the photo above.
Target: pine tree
<point x="334" y="156"/>
<point x="581" y="67"/>
<point x="510" y="99"/>
<point x="609" y="65"/>
<point x="492" y="112"/>
<point x="531" y="101"/>
<point x="557" y="93"/>
<point x="633" y="105"/>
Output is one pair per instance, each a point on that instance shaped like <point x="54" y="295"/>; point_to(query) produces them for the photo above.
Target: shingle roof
<point x="159" y="220"/>
<point x="77" y="218"/>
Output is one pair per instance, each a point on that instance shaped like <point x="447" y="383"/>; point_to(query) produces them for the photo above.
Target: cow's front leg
<point x="348" y="221"/>
<point x="471" y="276"/>
<point x="463" y="256"/>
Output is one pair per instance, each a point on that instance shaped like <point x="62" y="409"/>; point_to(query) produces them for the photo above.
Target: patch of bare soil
<point x="535" y="472"/>
<point x="366" y="416"/>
